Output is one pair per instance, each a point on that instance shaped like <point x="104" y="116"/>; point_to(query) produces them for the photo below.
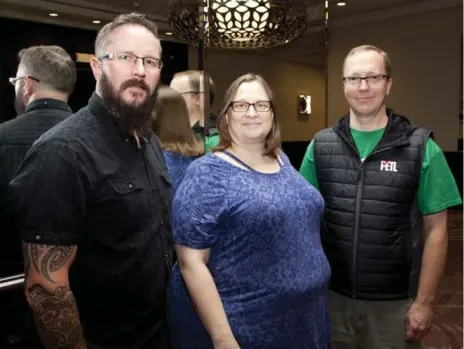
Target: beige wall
<point x="287" y="80"/>
<point x="425" y="53"/>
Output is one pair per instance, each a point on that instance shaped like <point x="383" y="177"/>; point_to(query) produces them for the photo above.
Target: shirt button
<point x="130" y="186"/>
<point x="162" y="223"/>
<point x="38" y="237"/>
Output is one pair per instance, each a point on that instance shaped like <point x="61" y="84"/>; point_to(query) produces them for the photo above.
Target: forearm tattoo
<point x="48" y="259"/>
<point x="55" y="309"/>
<point x="56" y="317"/>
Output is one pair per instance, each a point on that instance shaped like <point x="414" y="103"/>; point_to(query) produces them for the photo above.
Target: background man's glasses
<point x="193" y="92"/>
<point x="16" y="79"/>
<point x="261" y="106"/>
<point x="130" y="59"/>
<point x="371" y="79"/>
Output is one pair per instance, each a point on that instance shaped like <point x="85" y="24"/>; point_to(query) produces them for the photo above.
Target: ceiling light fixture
<point x="96" y="21"/>
<point x="341" y="3"/>
<point x="168" y="33"/>
<point x="238" y="24"/>
<point x="53" y="14"/>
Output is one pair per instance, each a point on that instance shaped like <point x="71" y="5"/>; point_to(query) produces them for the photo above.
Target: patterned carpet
<point x="447" y="332"/>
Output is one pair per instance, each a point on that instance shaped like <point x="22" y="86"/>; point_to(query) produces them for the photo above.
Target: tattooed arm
<point x="50" y="297"/>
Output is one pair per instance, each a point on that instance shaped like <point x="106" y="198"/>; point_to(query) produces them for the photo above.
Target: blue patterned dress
<point x="177" y="166"/>
<point x="266" y="256"/>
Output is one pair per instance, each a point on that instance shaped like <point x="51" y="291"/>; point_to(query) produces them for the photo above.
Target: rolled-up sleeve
<point x="50" y="191"/>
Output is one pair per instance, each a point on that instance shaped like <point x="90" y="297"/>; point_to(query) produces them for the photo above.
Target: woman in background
<point x="171" y="126"/>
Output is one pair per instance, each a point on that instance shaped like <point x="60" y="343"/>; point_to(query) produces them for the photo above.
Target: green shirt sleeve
<point x="308" y="167"/>
<point x="210" y="142"/>
<point x="437" y="187"/>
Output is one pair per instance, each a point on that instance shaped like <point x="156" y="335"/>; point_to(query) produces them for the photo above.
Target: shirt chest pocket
<point x="126" y="202"/>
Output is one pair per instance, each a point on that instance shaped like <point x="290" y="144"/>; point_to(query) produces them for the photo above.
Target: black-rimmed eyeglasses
<point x="260" y="106"/>
<point x="370" y="79"/>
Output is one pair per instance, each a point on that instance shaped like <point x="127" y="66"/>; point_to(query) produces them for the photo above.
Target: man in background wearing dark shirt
<point x="45" y="78"/>
<point x="93" y="203"/>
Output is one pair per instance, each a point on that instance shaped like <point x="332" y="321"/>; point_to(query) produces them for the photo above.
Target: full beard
<point x="134" y="117"/>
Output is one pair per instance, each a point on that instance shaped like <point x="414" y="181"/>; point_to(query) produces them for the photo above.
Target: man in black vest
<point x="44" y="80"/>
<point x="387" y="187"/>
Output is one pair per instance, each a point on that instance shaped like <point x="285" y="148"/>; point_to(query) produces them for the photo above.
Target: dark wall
<point x="17" y="34"/>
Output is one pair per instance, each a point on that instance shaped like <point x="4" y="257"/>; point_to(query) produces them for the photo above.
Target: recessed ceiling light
<point x="168" y="33"/>
<point x="53" y="14"/>
<point x="341" y="3"/>
<point x="96" y="21"/>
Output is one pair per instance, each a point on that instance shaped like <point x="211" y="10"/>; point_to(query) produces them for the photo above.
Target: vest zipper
<point x="354" y="269"/>
<point x="354" y="272"/>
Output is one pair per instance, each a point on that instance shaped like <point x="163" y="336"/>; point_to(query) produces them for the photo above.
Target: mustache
<point x="135" y="83"/>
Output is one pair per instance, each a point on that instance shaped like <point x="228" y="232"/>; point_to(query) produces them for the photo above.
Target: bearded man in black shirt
<point x="92" y="200"/>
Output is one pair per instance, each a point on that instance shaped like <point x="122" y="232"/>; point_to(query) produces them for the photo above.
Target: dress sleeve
<point x="50" y="192"/>
<point x="199" y="205"/>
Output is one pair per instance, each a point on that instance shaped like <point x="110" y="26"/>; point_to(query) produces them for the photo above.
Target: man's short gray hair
<point x="51" y="65"/>
<point x="124" y="19"/>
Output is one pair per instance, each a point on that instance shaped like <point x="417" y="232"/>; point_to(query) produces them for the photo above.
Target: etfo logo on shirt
<point x="388" y="166"/>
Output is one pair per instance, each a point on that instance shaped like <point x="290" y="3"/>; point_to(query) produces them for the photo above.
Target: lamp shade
<point x="238" y="24"/>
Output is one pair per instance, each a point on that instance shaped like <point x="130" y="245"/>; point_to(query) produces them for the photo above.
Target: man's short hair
<point x="385" y="56"/>
<point x="194" y="78"/>
<point x="124" y="19"/>
<point x="51" y="65"/>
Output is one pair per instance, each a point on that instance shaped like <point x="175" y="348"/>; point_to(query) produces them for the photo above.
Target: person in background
<point x="251" y="270"/>
<point x="93" y="201"/>
<point x="387" y="187"/>
<point x="171" y="126"/>
<point x="190" y="85"/>
<point x="45" y="78"/>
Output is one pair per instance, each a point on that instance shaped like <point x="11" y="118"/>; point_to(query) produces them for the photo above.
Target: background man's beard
<point x="129" y="117"/>
<point x="19" y="105"/>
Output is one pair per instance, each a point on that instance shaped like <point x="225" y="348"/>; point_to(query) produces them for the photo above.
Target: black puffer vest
<point x="372" y="228"/>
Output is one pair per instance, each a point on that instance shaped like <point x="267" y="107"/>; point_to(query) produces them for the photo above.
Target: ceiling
<point x="309" y="48"/>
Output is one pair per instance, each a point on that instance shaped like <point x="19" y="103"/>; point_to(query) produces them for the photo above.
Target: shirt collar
<point x="48" y="103"/>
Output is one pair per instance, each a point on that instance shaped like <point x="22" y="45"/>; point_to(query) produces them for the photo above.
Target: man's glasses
<point x="261" y="106"/>
<point x="371" y="80"/>
<point x="194" y="92"/>
<point x="130" y="59"/>
<point x="16" y="79"/>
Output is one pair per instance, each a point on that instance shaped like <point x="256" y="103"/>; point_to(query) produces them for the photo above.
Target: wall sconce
<point x="304" y="104"/>
<point x="83" y="57"/>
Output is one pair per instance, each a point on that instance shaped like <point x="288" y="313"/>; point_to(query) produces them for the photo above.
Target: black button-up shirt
<point x="16" y="137"/>
<point x="85" y="183"/>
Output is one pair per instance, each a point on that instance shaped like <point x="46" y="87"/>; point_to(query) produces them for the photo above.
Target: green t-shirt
<point x="437" y="187"/>
<point x="211" y="141"/>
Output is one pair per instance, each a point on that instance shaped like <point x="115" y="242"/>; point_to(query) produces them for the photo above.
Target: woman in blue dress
<point x="251" y="270"/>
<point x="172" y="127"/>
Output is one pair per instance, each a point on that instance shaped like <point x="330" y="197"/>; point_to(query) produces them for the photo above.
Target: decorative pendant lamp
<point x="238" y="24"/>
